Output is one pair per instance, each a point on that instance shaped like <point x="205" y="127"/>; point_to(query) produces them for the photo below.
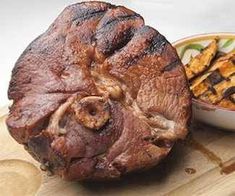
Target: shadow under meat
<point x="160" y="173"/>
<point x="157" y="174"/>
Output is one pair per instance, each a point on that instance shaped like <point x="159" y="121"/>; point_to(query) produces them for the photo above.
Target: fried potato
<point x="217" y="83"/>
<point x="202" y="61"/>
<point x="217" y="92"/>
<point x="219" y="71"/>
<point x="226" y="103"/>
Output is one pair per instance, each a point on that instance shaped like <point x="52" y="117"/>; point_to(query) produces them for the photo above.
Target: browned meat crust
<point x="99" y="94"/>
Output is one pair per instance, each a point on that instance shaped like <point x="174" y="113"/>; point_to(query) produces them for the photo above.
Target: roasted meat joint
<point x="99" y="94"/>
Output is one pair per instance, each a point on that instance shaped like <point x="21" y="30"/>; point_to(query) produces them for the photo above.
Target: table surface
<point x="22" y="21"/>
<point x="203" y="165"/>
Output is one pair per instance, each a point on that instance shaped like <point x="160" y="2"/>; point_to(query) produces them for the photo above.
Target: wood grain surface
<point x="203" y="176"/>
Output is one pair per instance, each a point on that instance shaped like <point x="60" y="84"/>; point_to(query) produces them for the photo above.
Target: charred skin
<point x="99" y="94"/>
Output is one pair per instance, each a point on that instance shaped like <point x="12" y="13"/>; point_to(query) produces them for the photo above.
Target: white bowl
<point x="208" y="113"/>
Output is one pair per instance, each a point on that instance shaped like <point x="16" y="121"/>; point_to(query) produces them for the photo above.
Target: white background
<point x="23" y="20"/>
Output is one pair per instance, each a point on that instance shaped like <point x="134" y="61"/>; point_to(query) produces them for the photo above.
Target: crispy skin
<point x="101" y="61"/>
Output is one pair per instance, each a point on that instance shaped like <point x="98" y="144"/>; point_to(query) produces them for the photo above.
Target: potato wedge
<point x="219" y="71"/>
<point x="216" y="93"/>
<point x="226" y="103"/>
<point x="202" y="61"/>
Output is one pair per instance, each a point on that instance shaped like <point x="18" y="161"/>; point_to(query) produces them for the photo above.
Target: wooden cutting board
<point x="192" y="168"/>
